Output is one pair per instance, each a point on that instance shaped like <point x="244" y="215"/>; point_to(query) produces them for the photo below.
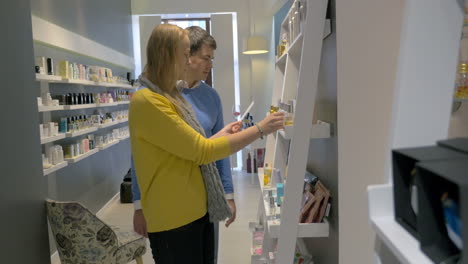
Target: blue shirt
<point x="206" y="104"/>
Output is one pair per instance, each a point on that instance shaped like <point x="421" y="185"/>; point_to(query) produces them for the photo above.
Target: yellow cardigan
<point x="167" y="153"/>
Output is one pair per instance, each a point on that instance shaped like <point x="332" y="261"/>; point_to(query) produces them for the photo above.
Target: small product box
<point x="443" y="209"/>
<point x="405" y="191"/>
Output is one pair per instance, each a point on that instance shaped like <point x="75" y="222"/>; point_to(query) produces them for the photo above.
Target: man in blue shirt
<point x="207" y="106"/>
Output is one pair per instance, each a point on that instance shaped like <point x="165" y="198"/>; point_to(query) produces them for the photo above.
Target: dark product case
<point x="404" y="161"/>
<point x="433" y="179"/>
<point x="458" y="144"/>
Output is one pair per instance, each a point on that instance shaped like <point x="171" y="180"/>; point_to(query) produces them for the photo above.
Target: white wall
<point x="368" y="38"/>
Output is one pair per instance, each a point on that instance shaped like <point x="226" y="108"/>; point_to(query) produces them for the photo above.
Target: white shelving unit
<point x="296" y="78"/>
<point x="55" y="168"/>
<point x="109" y="145"/>
<point x="52" y="139"/>
<point x="83" y="156"/>
<point x="81" y="132"/>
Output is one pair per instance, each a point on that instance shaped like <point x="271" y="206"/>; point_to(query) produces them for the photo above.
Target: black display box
<point x="404" y="161"/>
<point x="433" y="179"/>
<point x="458" y="144"/>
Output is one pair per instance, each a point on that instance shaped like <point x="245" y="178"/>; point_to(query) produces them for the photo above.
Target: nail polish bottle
<point x="79" y="98"/>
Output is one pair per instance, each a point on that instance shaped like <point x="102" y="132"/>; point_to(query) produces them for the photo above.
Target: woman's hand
<point x="272" y="122"/>
<point x="229" y="129"/>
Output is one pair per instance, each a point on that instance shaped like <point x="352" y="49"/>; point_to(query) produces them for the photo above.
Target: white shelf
<point x="296" y="47"/>
<point x="109" y="145"/>
<point x="55" y="168"/>
<point x="59" y="79"/>
<point x="281" y="61"/>
<point x="116" y="85"/>
<point x="76" y="107"/>
<point x="381" y="213"/>
<point x="109" y="124"/>
<point x="108" y="104"/>
<point x="81" y="132"/>
<point x="83" y="156"/>
<point x="124" y="102"/>
<point x="321" y="130"/>
<point x="124" y="138"/>
<point x="52" y="139"/>
<point x="123" y="121"/>
<point x="78" y="81"/>
<point x="303" y="231"/>
<point x="44" y="108"/>
<point x="47" y="78"/>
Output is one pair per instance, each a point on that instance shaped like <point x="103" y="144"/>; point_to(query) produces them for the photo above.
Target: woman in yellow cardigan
<point x="181" y="191"/>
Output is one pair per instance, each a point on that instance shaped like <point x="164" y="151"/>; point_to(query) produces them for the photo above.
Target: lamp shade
<point x="255" y="45"/>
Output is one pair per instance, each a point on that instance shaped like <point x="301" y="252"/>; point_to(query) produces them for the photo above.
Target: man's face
<point x="201" y="63"/>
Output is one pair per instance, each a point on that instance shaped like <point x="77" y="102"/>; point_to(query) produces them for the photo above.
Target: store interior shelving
<point x="82" y="156"/>
<point x="59" y="79"/>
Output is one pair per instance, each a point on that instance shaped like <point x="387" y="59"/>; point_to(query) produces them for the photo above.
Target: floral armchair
<point x="82" y="238"/>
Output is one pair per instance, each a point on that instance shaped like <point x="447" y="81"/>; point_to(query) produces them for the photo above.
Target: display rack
<point x="296" y="78"/>
<point x="44" y="81"/>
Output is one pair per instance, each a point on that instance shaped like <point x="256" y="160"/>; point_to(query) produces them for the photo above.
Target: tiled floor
<point x="235" y="241"/>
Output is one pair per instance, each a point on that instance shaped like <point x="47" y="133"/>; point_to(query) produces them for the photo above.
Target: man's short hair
<point x="198" y="36"/>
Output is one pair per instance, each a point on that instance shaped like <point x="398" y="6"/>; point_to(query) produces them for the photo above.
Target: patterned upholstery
<point x="82" y="238"/>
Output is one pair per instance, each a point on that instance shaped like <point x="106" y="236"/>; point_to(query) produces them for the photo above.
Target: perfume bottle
<point x="462" y="83"/>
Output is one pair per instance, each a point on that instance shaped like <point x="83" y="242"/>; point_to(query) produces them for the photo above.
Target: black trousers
<point x="189" y="244"/>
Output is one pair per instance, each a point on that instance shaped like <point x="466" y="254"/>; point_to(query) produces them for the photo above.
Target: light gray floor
<point x="235" y="241"/>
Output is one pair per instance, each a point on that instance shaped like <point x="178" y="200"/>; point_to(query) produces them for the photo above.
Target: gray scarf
<point x="218" y="208"/>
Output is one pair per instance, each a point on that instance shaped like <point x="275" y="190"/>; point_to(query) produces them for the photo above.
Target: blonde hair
<point x="161" y="52"/>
